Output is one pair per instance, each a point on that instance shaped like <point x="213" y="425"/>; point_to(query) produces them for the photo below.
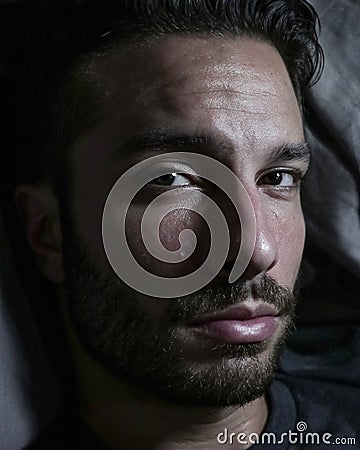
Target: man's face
<point x="237" y="96"/>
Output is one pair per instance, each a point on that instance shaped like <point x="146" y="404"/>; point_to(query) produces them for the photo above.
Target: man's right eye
<point x="171" y="180"/>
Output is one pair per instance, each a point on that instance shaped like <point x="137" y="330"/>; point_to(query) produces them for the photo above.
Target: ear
<point x="39" y="212"/>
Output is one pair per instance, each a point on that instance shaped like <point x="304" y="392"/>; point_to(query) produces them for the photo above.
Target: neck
<point x="123" y="416"/>
<point x="133" y="422"/>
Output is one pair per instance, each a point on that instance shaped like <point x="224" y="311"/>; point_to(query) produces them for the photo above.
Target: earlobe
<point x="38" y="208"/>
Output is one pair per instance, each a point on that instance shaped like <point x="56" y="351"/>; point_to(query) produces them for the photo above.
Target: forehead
<point x="235" y="87"/>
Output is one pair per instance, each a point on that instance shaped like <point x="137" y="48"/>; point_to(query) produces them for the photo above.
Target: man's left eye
<point x="171" y="180"/>
<point x="280" y="179"/>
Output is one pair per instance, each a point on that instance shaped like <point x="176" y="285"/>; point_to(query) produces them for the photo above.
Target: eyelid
<point x="192" y="181"/>
<point x="178" y="168"/>
<point x="290" y="170"/>
<point x="173" y="167"/>
<point x="297" y="173"/>
<point x="175" y="183"/>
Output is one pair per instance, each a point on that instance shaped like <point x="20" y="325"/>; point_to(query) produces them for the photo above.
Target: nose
<point x="265" y="254"/>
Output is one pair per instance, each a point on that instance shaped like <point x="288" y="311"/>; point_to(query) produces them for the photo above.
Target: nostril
<point x="272" y="264"/>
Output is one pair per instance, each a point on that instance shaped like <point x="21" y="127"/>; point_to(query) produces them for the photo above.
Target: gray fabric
<point x="29" y="392"/>
<point x="331" y="196"/>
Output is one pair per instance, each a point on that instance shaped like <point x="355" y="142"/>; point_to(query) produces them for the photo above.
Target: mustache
<point x="211" y="299"/>
<point x="215" y="298"/>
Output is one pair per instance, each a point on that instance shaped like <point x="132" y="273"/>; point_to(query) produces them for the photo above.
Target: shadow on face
<point x="232" y="100"/>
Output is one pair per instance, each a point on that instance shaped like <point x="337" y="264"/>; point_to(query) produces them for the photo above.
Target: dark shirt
<point x="314" y="401"/>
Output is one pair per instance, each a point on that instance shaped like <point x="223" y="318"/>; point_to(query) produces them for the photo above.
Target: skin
<point x="235" y="91"/>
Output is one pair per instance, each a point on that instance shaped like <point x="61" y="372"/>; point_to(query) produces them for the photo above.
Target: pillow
<point x="331" y="191"/>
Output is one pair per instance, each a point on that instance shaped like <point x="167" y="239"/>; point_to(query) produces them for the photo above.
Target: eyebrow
<point x="155" y="140"/>
<point x="291" y="152"/>
<point x="160" y="141"/>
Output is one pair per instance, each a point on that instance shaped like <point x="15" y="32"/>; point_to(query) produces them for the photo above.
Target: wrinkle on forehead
<point x="200" y="82"/>
<point x="175" y="65"/>
<point x="251" y="97"/>
<point x="220" y="65"/>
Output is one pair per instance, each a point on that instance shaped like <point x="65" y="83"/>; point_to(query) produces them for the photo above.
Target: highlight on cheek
<point x="121" y="196"/>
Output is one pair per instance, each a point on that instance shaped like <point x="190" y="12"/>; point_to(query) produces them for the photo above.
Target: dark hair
<point x="54" y="112"/>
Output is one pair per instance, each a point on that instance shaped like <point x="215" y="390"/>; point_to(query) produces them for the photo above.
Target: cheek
<point x="93" y="181"/>
<point x="87" y="210"/>
<point x="289" y="233"/>
<point x="164" y="237"/>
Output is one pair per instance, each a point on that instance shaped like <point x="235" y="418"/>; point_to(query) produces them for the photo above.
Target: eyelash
<point x="188" y="177"/>
<point x="297" y="175"/>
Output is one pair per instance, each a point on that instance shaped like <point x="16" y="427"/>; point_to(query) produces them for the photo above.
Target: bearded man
<point x="122" y="85"/>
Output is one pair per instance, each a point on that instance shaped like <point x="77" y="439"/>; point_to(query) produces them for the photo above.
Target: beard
<point x="143" y="341"/>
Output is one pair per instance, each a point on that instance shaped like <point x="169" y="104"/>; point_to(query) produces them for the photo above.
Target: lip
<point x="238" y="325"/>
<point x="238" y="313"/>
